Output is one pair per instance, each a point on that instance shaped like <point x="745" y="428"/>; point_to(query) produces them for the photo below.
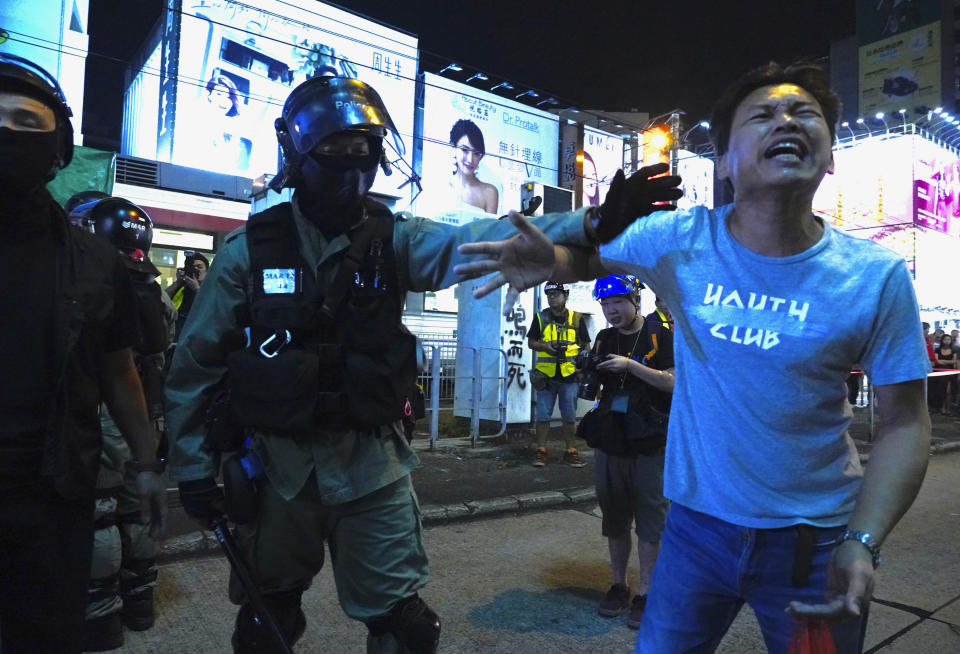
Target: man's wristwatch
<point x="157" y="466"/>
<point x="865" y="539"/>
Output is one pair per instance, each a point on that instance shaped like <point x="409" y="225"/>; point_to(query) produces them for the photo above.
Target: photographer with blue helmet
<point x="632" y="365"/>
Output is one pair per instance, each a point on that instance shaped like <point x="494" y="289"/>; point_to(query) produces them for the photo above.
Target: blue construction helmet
<point x="616" y="285"/>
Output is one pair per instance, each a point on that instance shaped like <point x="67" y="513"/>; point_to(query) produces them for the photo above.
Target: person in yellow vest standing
<point x="556" y="335"/>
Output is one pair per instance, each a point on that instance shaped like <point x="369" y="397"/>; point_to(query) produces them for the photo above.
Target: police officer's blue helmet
<point x="617" y="285"/>
<point x="323" y="106"/>
<point x="19" y="75"/>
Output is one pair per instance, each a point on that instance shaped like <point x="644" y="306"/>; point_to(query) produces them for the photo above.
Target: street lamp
<point x="454" y="67"/>
<point x="532" y="94"/>
<point x="550" y="100"/>
<point x="853" y="135"/>
<point x="879" y="116"/>
<point x="703" y="124"/>
<point x="903" y="118"/>
<point x="479" y="76"/>
<point x="503" y="85"/>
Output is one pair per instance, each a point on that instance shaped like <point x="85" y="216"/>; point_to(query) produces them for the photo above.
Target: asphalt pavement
<point x="528" y="581"/>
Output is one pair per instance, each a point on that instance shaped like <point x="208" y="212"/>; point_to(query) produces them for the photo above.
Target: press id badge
<point x="620" y="402"/>
<point x="279" y="281"/>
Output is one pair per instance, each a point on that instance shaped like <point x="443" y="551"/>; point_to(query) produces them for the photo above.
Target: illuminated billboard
<point x="478" y="149"/>
<point x="229" y="66"/>
<point x="52" y="34"/>
<point x="696" y="174"/>
<point x="602" y="158"/>
<point x="936" y="185"/>
<point x="901" y="71"/>
<point x="871" y="183"/>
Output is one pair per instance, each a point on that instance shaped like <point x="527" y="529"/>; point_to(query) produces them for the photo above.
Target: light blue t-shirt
<point x="758" y="428"/>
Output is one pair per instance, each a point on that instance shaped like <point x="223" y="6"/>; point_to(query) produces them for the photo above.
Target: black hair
<point x="805" y="74"/>
<point x="232" y="91"/>
<point x="468" y="128"/>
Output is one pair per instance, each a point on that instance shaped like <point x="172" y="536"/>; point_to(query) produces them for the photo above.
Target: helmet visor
<point x="327" y="105"/>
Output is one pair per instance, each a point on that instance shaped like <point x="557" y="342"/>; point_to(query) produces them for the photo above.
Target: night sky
<point x="615" y="55"/>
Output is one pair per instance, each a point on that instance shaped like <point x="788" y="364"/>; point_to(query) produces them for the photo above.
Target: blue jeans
<point x="566" y="393"/>
<point x="708" y="568"/>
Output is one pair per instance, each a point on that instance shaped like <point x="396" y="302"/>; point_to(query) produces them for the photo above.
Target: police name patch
<point x="279" y="281"/>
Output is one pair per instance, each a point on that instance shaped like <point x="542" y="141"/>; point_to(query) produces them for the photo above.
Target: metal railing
<point x="440" y="379"/>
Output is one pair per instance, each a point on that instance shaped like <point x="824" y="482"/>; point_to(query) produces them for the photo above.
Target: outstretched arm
<point x="525" y="260"/>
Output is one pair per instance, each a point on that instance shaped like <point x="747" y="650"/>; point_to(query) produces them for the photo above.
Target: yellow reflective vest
<point x="551" y="332"/>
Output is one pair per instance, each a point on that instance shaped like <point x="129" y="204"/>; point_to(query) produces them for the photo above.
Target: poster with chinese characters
<point x="238" y="62"/>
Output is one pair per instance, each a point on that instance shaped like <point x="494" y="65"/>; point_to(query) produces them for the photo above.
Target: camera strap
<point x="629" y="355"/>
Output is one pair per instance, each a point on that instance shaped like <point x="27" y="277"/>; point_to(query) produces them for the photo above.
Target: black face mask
<point x="332" y="186"/>
<point x="26" y="158"/>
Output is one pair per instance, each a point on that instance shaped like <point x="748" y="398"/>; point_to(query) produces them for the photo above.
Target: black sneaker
<point x="103" y="634"/>
<point x="614" y="602"/>
<point x="637" y="606"/>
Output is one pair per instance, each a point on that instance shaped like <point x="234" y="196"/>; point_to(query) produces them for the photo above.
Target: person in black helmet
<point x="300" y="318"/>
<point x="124" y="570"/>
<point x="64" y="350"/>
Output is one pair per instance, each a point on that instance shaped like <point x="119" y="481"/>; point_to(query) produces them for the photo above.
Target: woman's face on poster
<point x="219" y="97"/>
<point x="468" y="158"/>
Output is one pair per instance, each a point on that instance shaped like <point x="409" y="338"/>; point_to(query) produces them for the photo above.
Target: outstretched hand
<point x="630" y="198"/>
<point x="522" y="261"/>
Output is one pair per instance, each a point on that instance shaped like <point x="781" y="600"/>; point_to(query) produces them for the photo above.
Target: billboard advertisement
<point x="602" y="158"/>
<point x="478" y="149"/>
<point x="936" y="184"/>
<point x="237" y="62"/>
<point x="697" y="175"/>
<point x="870" y="186"/>
<point x="52" y="34"/>
<point x="878" y="19"/>
<point x="901" y="71"/>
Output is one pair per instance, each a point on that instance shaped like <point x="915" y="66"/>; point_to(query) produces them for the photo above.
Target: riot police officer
<point x="65" y="339"/>
<point x="300" y="318"/>
<point x="124" y="569"/>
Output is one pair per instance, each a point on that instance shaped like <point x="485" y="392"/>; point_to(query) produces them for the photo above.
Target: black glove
<point x="629" y="199"/>
<point x="202" y="499"/>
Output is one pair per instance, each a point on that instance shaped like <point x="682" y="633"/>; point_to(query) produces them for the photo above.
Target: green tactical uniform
<point x="344" y="467"/>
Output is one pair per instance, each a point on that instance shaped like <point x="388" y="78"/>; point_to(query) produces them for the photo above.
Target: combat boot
<point x="137" y="578"/>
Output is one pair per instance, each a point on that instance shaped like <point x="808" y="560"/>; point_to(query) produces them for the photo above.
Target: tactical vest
<point x="322" y="357"/>
<point x="551" y="332"/>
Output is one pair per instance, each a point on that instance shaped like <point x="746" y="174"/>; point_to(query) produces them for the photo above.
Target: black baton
<point x="262" y="615"/>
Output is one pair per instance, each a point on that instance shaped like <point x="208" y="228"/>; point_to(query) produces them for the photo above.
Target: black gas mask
<point x="318" y="132"/>
<point x="330" y="182"/>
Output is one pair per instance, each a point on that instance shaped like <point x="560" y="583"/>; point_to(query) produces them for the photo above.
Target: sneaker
<point x="614" y="602"/>
<point x="637" y="606"/>
<point x="540" y="458"/>
<point x="572" y="458"/>
<point x="103" y="634"/>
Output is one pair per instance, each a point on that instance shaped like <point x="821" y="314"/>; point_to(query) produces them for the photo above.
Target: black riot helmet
<point x="119" y="221"/>
<point x="19" y="75"/>
<point x="321" y="107"/>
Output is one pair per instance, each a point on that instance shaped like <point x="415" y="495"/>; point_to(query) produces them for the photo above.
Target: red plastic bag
<point x="812" y="637"/>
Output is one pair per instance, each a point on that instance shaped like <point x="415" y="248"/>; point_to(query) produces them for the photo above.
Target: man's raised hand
<point x="630" y="198"/>
<point x="522" y="261"/>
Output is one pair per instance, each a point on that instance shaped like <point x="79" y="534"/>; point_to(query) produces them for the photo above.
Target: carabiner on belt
<point x="277" y="341"/>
